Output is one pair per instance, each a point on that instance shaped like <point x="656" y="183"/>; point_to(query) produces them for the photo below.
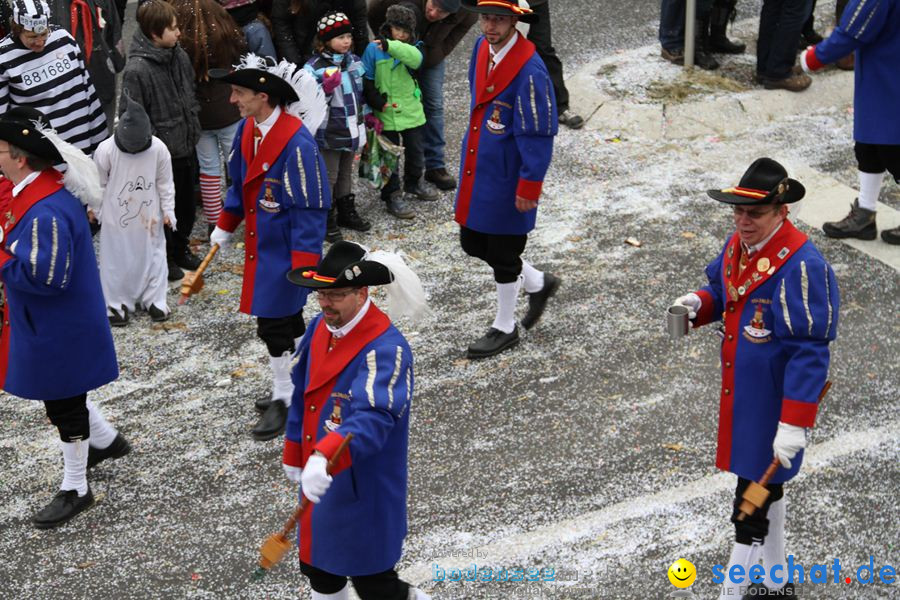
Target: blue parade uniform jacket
<point x="509" y="141"/>
<point x="871" y="28"/>
<point x="55" y="341"/>
<point x="363" y="386"/>
<point x="780" y="313"/>
<point x="283" y="197"/>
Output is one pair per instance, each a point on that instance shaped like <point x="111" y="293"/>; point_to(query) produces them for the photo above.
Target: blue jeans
<point x="780" y="24"/>
<point x="431" y="82"/>
<point x="671" y="22"/>
<point x="213" y="147"/>
<point x="259" y="41"/>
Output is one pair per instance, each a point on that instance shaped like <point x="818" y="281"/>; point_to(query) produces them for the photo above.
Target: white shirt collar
<point x="751" y="250"/>
<point x="340" y="332"/>
<point x="266" y="125"/>
<point x="498" y="56"/>
<point x="17" y="189"/>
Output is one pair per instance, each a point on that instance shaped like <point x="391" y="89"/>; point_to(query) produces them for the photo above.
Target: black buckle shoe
<point x="188" y="261"/>
<point x="118" y="319"/>
<point x="538" y="300"/>
<point x="891" y="236"/>
<point x="262" y="404"/>
<point x="493" y="342"/>
<point x="271" y="423"/>
<point x="65" y="505"/>
<point x="441" y="179"/>
<point x="859" y="224"/>
<point x="117" y="449"/>
<point x="157" y="315"/>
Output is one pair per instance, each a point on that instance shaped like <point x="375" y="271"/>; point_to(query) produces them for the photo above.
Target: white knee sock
<point x="773" y="549"/>
<point x="507" y="294"/>
<point x="344" y="594"/>
<point x="282" y="386"/>
<point x="75" y="455"/>
<point x="102" y="433"/>
<point x="534" y="279"/>
<point x="419" y="594"/>
<point x="744" y="555"/>
<point x="869" y="188"/>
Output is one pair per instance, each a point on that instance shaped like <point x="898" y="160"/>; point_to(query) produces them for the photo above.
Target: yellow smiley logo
<point x="682" y="573"/>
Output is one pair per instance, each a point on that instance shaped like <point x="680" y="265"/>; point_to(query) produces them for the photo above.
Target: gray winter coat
<point x="162" y="80"/>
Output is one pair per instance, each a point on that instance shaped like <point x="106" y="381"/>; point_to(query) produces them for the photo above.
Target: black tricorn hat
<point x="507" y="8"/>
<point x="17" y="127"/>
<point x="764" y="182"/>
<point x="344" y="265"/>
<point x="258" y="80"/>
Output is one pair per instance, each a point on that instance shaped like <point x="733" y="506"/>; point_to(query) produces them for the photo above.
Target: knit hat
<point x="133" y="133"/>
<point x="33" y="15"/>
<point x="332" y="25"/>
<point x="401" y="17"/>
<point x="450" y="6"/>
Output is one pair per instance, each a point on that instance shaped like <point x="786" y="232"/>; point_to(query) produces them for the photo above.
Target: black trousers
<point x="380" y="586"/>
<point x="780" y="24"/>
<point x="278" y="334"/>
<point x="184" y="174"/>
<point x="501" y="252"/>
<point x="539" y="35"/>
<point x="754" y="528"/>
<point x="878" y="158"/>
<point x="413" y="160"/>
<point x="70" y="417"/>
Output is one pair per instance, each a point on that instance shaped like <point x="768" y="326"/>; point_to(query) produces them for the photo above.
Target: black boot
<point x="332" y="231"/>
<point x="119" y="318"/>
<point x="718" y="24"/>
<point x="538" y="300"/>
<point x="65" y="505"/>
<point x="493" y="342"/>
<point x="117" y="449"/>
<point x="860" y="224"/>
<point x="347" y="215"/>
<point x="262" y="404"/>
<point x="702" y="56"/>
<point x="271" y="423"/>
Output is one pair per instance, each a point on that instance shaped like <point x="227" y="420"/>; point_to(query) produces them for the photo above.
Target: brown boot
<point x="859" y="224"/>
<point x="795" y="83"/>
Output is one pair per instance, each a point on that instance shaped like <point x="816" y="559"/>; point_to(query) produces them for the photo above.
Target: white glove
<point x="803" y="64"/>
<point x="315" y="479"/>
<point x="221" y="237"/>
<point x="693" y="303"/>
<point x="292" y="473"/>
<point x="789" y="440"/>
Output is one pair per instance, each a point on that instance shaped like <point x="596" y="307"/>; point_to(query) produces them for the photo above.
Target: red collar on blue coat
<point x="488" y="86"/>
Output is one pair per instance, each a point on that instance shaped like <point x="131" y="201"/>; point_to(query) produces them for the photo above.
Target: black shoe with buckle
<point x="493" y="342"/>
<point x="538" y="300"/>
<point x="262" y="404"/>
<point x="187" y="260"/>
<point x="891" y="236"/>
<point x="271" y="423"/>
<point x="117" y="449"/>
<point x="118" y="318"/>
<point x="441" y="179"/>
<point x="65" y="505"/>
<point x="175" y="272"/>
<point x="859" y="224"/>
<point x="156" y="314"/>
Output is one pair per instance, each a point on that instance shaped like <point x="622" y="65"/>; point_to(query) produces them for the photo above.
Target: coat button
<point x="727" y="365"/>
<point x="730" y="337"/>
<point x="471" y="150"/>
<point x="474" y="127"/>
<point x="468" y="172"/>
<point x="731" y="309"/>
<point x="252" y="211"/>
<point x="727" y="391"/>
<point x="312" y="408"/>
<point x="308" y="438"/>
<point x="252" y="234"/>
<point x="251" y="257"/>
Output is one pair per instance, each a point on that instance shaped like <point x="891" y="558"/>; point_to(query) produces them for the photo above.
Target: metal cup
<point x="677" y="322"/>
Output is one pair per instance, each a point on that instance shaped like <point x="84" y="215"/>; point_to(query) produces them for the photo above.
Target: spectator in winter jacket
<point x="440" y="25"/>
<point x="295" y="23"/>
<point x="246" y="13"/>
<point x="158" y="76"/>
<point x="340" y="74"/>
<point x="212" y="40"/>
<point x="394" y="95"/>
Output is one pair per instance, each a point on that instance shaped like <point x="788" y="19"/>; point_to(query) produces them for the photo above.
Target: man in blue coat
<point x="55" y="341"/>
<point x="505" y="154"/>
<point x="354" y="374"/>
<point x="279" y="188"/>
<point x="777" y="299"/>
<point x="871" y="28"/>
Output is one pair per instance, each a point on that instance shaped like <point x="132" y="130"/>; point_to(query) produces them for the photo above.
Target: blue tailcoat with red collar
<point x="509" y="141"/>
<point x="55" y="341"/>
<point x="780" y="313"/>
<point x="363" y="386"/>
<point x="282" y="195"/>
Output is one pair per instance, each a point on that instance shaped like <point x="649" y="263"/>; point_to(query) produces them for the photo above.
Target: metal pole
<point x="690" y="20"/>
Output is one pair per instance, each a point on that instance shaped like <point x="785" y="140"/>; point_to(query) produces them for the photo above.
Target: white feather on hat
<point x="405" y="296"/>
<point x="312" y="108"/>
<point x="81" y="179"/>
